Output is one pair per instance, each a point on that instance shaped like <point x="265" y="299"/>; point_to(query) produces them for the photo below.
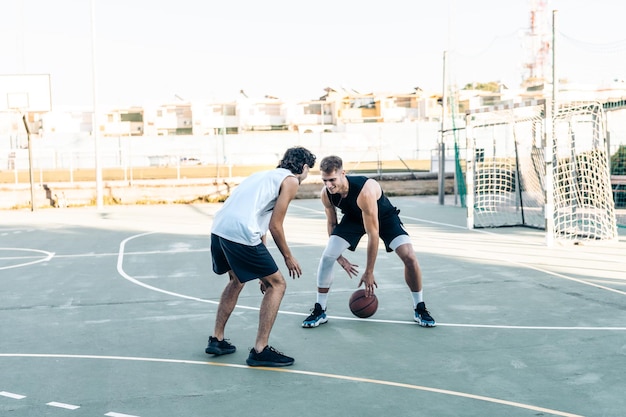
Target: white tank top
<point x="245" y="216"/>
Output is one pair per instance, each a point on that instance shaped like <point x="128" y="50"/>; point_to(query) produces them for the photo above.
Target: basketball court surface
<point x="108" y="314"/>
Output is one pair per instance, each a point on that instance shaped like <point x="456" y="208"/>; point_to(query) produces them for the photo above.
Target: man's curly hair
<point x="295" y="158"/>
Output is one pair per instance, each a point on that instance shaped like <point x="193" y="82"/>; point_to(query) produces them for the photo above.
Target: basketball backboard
<point x="25" y="93"/>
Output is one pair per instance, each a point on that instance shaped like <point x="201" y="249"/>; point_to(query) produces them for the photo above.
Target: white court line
<point x="114" y="414"/>
<point x="120" y="270"/>
<point x="483" y="326"/>
<point x="63" y="405"/>
<point x="525" y="265"/>
<point x="47" y="257"/>
<point x="12" y="395"/>
<point x="307" y="373"/>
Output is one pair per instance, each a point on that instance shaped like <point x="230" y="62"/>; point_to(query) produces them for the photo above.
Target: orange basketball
<point x="362" y="306"/>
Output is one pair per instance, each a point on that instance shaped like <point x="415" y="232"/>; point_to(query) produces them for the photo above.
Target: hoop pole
<point x="99" y="192"/>
<point x="30" y="165"/>
<point x="551" y="108"/>
<point x="442" y="146"/>
<point x="469" y="171"/>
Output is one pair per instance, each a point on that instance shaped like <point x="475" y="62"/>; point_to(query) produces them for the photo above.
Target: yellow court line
<point x="307" y="373"/>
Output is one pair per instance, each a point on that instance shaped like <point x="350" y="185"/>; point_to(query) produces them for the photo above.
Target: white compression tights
<point x="336" y="246"/>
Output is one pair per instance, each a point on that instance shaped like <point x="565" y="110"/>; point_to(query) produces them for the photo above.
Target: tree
<point x="493" y="86"/>
<point x="618" y="161"/>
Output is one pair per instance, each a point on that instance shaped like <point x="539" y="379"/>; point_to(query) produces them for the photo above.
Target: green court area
<point x="107" y="313"/>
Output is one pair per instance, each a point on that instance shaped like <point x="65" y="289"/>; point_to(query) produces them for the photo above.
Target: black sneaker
<point x="268" y="357"/>
<point x="423" y="317"/>
<point x="219" y="347"/>
<point x="317" y="317"/>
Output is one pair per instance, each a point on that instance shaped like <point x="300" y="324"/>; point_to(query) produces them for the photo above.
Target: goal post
<point x="532" y="165"/>
<point x="506" y="159"/>
<point x="584" y="208"/>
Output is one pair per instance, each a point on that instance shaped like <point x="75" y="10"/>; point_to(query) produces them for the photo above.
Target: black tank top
<point x="349" y="207"/>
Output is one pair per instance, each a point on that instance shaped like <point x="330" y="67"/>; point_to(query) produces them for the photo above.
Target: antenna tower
<point x="537" y="45"/>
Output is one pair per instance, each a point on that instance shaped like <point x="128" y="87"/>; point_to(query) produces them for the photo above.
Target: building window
<point x="403" y="102"/>
<point x="131" y="117"/>
<point x="230" y="110"/>
<point x="313" y="109"/>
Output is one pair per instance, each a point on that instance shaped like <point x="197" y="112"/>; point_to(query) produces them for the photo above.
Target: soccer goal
<point x="532" y="165"/>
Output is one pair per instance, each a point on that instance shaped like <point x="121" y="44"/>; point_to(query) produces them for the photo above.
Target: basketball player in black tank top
<point x="366" y="210"/>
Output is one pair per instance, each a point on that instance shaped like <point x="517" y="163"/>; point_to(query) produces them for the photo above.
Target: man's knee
<point x="276" y="281"/>
<point x="406" y="253"/>
<point x="328" y="259"/>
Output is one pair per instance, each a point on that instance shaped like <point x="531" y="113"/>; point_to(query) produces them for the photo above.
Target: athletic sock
<point x="322" y="298"/>
<point x="417" y="298"/>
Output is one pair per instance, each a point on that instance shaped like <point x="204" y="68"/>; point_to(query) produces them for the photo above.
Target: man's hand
<point x="293" y="266"/>
<point x="350" y="268"/>
<point x="370" y="283"/>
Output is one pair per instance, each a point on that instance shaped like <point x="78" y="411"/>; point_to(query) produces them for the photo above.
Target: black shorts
<point x="247" y="262"/>
<point x="352" y="231"/>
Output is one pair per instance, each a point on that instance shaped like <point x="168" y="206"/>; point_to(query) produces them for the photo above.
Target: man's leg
<point x="275" y="287"/>
<point x="228" y="301"/>
<point x="412" y="271"/>
<point x="325" y="275"/>
<point x="413" y="278"/>
<point x="335" y="247"/>
<point x="262" y="354"/>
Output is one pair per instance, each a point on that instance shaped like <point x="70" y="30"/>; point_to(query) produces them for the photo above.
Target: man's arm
<point x="368" y="203"/>
<point x="288" y="190"/>
<point x="330" y="210"/>
<point x="331" y="222"/>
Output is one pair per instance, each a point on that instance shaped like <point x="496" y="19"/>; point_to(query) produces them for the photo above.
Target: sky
<point x="162" y="50"/>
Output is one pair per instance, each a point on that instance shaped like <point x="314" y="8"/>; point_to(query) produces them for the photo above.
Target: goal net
<point x="528" y="168"/>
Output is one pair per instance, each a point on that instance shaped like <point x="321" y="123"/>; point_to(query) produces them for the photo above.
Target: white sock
<point x="417" y="298"/>
<point x="322" y="298"/>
